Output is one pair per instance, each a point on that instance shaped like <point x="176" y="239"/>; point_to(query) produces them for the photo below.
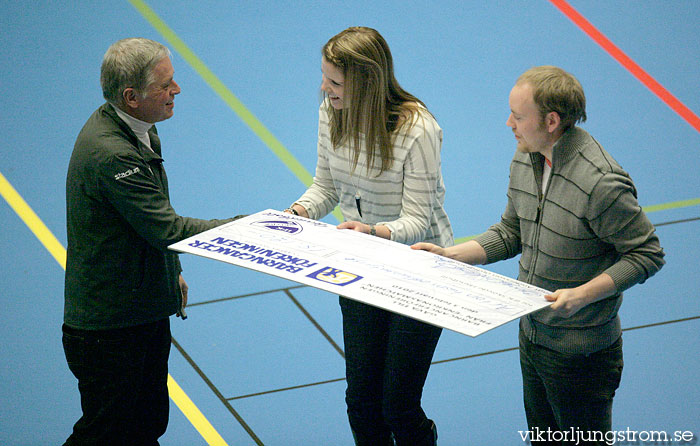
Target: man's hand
<point x="184" y="289"/>
<point x="468" y="252"/>
<point x="569" y="301"/>
<point x="424" y="246"/>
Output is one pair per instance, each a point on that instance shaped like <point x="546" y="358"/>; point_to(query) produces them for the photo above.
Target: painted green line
<point x="463" y="239"/>
<point x="672" y="205"/>
<point x="222" y="91"/>
<point x="647" y="209"/>
<point x="227" y="96"/>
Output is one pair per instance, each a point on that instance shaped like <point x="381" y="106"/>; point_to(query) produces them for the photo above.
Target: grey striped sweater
<point x="587" y="222"/>
<point x="408" y="198"/>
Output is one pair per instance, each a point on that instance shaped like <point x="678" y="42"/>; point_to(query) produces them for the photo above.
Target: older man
<point x="572" y="213"/>
<point x="122" y="283"/>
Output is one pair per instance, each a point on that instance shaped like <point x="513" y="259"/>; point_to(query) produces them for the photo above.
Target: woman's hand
<point x="297" y="209"/>
<point x="355" y="226"/>
<point x="379" y="230"/>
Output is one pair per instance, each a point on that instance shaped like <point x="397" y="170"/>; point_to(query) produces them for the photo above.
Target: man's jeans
<point x="122" y="377"/>
<point x="569" y="392"/>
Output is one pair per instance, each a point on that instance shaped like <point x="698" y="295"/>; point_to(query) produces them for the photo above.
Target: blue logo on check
<point x="288" y="226"/>
<point x="334" y="276"/>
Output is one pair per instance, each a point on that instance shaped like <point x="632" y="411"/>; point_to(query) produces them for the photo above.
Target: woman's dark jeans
<point x="387" y="358"/>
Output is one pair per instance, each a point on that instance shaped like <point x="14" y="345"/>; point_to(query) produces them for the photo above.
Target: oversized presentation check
<point x="379" y="272"/>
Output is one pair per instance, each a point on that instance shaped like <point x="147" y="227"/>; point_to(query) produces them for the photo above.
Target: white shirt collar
<point x="139" y="127"/>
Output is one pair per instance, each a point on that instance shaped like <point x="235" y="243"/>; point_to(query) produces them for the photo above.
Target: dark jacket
<point x="119" y="271"/>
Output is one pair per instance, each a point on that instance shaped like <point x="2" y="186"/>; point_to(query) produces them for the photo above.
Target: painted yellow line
<point x="227" y="96"/>
<point x="185" y="404"/>
<point x="57" y="250"/>
<point x="34" y="223"/>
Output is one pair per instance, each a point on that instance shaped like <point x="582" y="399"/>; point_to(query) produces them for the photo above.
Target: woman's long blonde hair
<point x="375" y="105"/>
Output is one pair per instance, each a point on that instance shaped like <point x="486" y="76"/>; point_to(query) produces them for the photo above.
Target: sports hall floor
<point x="259" y="361"/>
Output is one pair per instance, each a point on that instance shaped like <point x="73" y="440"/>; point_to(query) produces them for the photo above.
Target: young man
<point x="572" y="213"/>
<point x="122" y="283"/>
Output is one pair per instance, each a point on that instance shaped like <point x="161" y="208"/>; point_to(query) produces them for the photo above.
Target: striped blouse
<point x="408" y="197"/>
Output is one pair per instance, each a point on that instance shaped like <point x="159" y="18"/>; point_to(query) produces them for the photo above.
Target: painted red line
<point x="631" y="66"/>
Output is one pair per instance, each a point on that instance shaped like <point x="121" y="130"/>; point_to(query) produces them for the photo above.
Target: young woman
<point x="379" y="159"/>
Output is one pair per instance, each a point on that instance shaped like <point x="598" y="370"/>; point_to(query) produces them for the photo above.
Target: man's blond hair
<point x="555" y="90"/>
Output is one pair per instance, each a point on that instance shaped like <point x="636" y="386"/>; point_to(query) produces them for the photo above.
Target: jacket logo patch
<point x="121" y="175"/>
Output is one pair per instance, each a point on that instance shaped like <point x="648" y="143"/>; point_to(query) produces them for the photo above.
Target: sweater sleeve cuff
<point x="392" y="231"/>
<point x="493" y="245"/>
<point x="310" y="208"/>
<point x="624" y="275"/>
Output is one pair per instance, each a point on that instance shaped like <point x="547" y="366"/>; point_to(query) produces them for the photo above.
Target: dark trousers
<point x="387" y="358"/>
<point x="569" y="393"/>
<point x="122" y="377"/>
